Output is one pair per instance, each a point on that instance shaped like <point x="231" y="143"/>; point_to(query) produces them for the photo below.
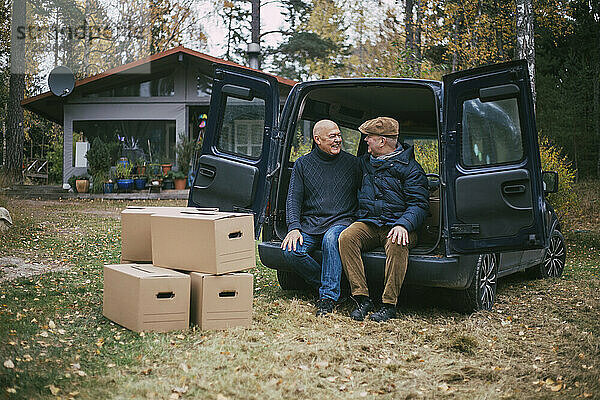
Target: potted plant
<point x="168" y="180"/>
<point x="179" y="179"/>
<point x="166" y="167"/>
<point x="140" y="166"/>
<point x="109" y="186"/>
<point x="185" y="149"/>
<point x="124" y="180"/>
<point x="99" y="164"/>
<point x="82" y="184"/>
<point x="139" y="181"/>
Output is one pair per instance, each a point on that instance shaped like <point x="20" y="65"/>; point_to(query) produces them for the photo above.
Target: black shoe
<point x="387" y="311"/>
<point x="364" y="306"/>
<point x="325" y="306"/>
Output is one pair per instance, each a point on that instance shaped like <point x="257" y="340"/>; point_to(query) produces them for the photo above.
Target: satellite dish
<point x="61" y="81"/>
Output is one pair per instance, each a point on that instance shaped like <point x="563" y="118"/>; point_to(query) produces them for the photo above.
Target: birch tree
<point x="525" y="43"/>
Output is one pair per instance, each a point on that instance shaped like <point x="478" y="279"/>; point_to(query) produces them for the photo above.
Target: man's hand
<point x="290" y="240"/>
<point x="399" y="235"/>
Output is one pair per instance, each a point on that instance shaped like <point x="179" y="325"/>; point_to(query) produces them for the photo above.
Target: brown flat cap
<point x="383" y="126"/>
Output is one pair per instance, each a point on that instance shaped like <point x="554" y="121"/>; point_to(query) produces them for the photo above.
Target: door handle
<point x="206" y="172"/>
<point x="513" y="189"/>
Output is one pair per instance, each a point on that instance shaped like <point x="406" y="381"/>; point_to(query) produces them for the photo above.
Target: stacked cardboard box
<point x="212" y="248"/>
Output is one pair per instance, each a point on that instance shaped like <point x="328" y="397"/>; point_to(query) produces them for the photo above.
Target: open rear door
<point x="242" y="121"/>
<point x="492" y="163"/>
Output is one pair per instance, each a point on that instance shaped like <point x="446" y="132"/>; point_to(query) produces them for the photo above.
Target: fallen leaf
<point x="363" y="394"/>
<point x="75" y="366"/>
<point x="184" y="367"/>
<point x="81" y="373"/>
<point x="322" y="364"/>
<point x="44" y="334"/>
<point x="174" y="396"/>
<point x="586" y="395"/>
<point x="54" y="390"/>
<point x="73" y="394"/>
<point x="9" y="364"/>
<point x="61" y="331"/>
<point x="331" y="378"/>
<point x="221" y="397"/>
<point x="110" y="365"/>
<point x="180" y="390"/>
<point x="51" y="325"/>
<point x="11" y="390"/>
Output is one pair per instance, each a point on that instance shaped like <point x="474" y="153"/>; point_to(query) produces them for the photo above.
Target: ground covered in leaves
<point x="540" y="341"/>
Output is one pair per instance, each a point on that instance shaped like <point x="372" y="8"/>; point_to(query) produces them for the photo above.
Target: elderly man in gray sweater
<point x="321" y="203"/>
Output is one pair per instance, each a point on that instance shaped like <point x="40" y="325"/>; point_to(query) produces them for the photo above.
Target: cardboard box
<point x="136" y="241"/>
<point x="203" y="241"/>
<point x="144" y="297"/>
<point x="221" y="301"/>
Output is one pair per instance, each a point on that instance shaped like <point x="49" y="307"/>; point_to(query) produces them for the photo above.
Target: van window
<point x="302" y="141"/>
<point x="243" y="127"/>
<point x="491" y="133"/>
<point x="426" y="154"/>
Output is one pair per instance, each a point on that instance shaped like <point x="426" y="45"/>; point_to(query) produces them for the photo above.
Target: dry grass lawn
<point x="540" y="341"/>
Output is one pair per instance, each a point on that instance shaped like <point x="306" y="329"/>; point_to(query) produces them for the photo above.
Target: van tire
<point x="290" y="281"/>
<point x="555" y="256"/>
<point x="481" y="293"/>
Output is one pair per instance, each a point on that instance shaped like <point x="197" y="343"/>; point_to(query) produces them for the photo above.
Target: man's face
<point x="330" y="140"/>
<point x="374" y="144"/>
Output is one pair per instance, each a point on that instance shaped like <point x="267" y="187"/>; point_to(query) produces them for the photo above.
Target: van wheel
<point x="290" y="281"/>
<point x="554" y="259"/>
<point x="481" y="294"/>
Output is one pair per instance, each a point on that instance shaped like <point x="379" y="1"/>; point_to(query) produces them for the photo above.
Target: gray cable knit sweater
<point x="323" y="191"/>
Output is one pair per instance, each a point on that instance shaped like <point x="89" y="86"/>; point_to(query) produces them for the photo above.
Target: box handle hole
<point x="235" y="235"/>
<point x="165" y="295"/>
<point x="228" y="293"/>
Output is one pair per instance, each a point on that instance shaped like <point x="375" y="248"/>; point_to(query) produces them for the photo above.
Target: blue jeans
<point x="326" y="278"/>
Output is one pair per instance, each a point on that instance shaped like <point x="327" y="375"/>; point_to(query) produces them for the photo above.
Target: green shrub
<point x="553" y="159"/>
<point x="98" y="157"/>
<point x="55" y="160"/>
<point x="426" y="153"/>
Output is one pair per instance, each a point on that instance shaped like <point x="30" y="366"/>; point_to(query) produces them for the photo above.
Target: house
<point x="149" y="105"/>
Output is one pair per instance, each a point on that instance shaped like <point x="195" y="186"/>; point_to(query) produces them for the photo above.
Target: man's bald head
<point x="327" y="136"/>
<point x="323" y="127"/>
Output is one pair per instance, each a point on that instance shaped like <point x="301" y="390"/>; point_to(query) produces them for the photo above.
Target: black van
<point x="474" y="133"/>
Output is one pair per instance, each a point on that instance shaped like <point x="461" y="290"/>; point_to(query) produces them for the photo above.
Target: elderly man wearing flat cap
<point x="321" y="203"/>
<point x="392" y="206"/>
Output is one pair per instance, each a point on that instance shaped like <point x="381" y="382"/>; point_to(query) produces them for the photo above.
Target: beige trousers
<point x="360" y="237"/>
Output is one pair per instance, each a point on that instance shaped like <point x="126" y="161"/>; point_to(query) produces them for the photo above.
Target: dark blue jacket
<point x="394" y="191"/>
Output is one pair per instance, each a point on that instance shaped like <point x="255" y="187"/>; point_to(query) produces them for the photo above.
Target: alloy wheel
<point x="487" y="281"/>
<point x="554" y="260"/>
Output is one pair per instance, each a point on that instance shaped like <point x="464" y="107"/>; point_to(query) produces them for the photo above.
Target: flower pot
<point x="125" y="184"/>
<point x="168" y="184"/>
<point x="166" y="168"/>
<point x="141" y="170"/>
<point x="140" y="183"/>
<point x="82" y="185"/>
<point x="180" y="183"/>
<point x="109" y="187"/>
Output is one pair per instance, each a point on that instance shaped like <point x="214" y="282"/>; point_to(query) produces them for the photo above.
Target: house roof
<point x="50" y="106"/>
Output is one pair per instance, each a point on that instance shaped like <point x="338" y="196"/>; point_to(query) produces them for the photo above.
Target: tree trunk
<point x="14" y="119"/>
<point x="525" y="39"/>
<point x="417" y="39"/>
<point x="410" y="36"/>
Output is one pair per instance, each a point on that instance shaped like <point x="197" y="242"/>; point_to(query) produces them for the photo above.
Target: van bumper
<point x="432" y="271"/>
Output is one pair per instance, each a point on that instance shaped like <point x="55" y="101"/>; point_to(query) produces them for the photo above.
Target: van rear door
<point x="491" y="163"/>
<point x="240" y="134"/>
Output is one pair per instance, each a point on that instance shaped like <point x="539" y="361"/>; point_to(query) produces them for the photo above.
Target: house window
<point x="203" y="85"/>
<point x="159" y="87"/>
<point x="491" y="133"/>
